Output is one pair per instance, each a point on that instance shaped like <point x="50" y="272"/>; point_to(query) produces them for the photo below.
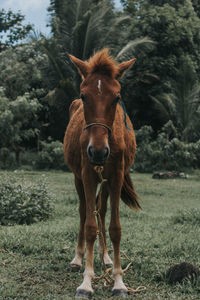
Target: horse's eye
<point x="83" y="98"/>
<point x="117" y="99"/>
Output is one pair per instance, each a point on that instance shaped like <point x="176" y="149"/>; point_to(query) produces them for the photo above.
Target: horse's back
<point x="71" y="146"/>
<point x="125" y="137"/>
<point x="74" y="107"/>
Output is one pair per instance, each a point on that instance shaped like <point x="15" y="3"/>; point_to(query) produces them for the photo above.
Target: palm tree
<point x="182" y="106"/>
<point x="81" y="27"/>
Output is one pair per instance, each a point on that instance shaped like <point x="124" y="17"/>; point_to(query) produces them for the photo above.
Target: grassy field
<point x="34" y="259"/>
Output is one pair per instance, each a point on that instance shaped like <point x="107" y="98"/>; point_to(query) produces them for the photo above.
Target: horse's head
<point x="100" y="92"/>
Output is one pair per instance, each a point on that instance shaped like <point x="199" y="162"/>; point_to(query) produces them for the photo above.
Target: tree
<point x="196" y="5"/>
<point x="18" y="123"/>
<point x="11" y="25"/>
<point x="21" y="75"/>
<point x="77" y="28"/>
<point x="174" y="27"/>
<point x="80" y="28"/>
<point x="182" y="105"/>
<point x="20" y="70"/>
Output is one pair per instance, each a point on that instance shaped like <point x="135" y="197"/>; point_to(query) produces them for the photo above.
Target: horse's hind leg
<point x="103" y="251"/>
<point x="76" y="263"/>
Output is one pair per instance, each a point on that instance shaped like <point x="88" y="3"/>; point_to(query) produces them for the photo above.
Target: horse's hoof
<point x="75" y="267"/>
<point x="83" y="294"/>
<point x="120" y="293"/>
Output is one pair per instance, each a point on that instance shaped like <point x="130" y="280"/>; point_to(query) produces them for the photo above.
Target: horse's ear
<point x="124" y="66"/>
<point x="81" y="65"/>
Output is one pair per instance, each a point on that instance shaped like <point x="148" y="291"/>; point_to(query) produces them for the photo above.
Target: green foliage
<point x="17" y="121"/>
<point x="80" y="28"/>
<point x="21" y="77"/>
<point x="84" y="27"/>
<point x="7" y="159"/>
<point x="38" y="82"/>
<point x="13" y="24"/>
<point x="77" y="28"/>
<point x="23" y="204"/>
<point x="51" y="156"/>
<point x="183" y="103"/>
<point x="20" y="71"/>
<point x="166" y="152"/>
<point x="174" y="27"/>
<point x="196" y="6"/>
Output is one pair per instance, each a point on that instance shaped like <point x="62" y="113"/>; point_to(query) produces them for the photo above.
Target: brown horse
<point x="100" y="133"/>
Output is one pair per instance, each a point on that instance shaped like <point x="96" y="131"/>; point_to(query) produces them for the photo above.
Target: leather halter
<point x="99" y="124"/>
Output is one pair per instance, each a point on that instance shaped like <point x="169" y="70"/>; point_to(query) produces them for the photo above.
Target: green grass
<point x="33" y="264"/>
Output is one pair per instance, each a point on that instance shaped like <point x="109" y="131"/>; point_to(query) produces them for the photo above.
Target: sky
<point x="35" y="11"/>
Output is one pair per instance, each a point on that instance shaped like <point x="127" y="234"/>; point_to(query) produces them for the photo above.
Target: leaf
<point x="133" y="44"/>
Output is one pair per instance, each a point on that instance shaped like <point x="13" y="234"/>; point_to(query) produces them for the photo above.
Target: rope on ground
<point x="99" y="170"/>
<point x="107" y="276"/>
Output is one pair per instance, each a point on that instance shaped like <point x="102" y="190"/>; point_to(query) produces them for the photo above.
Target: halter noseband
<point x="99" y="124"/>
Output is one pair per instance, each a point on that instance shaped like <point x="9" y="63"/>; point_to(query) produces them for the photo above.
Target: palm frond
<point x="95" y="27"/>
<point x="161" y="107"/>
<point x="145" y="42"/>
<point x="116" y="22"/>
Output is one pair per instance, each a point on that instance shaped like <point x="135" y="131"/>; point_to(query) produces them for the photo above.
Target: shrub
<point x="51" y="156"/>
<point x="22" y="203"/>
<point x="194" y="149"/>
<point x="166" y="152"/>
<point x="143" y="163"/>
<point x="7" y="158"/>
<point x="27" y="159"/>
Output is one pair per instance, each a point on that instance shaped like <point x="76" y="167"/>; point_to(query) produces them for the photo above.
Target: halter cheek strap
<point x="106" y="126"/>
<point x="99" y="124"/>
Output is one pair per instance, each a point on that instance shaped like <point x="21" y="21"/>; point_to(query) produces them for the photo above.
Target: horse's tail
<point x="128" y="195"/>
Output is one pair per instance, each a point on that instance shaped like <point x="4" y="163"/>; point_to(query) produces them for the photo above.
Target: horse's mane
<point x="102" y="62"/>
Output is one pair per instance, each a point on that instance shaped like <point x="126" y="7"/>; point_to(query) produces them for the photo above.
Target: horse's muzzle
<point x="98" y="157"/>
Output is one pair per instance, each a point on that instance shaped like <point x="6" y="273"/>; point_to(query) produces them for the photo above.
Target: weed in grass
<point x="191" y="216"/>
<point x="182" y="272"/>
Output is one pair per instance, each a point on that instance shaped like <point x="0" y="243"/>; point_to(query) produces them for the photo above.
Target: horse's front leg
<point x="103" y="250"/>
<point x="115" y="232"/>
<point x="90" y="185"/>
<point x="76" y="263"/>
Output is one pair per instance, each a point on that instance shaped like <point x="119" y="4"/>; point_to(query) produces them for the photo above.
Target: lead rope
<point x="108" y="278"/>
<point x="99" y="170"/>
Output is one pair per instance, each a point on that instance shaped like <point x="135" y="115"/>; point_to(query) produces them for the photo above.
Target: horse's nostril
<point x="106" y="152"/>
<point x="91" y="151"/>
<point x="98" y="156"/>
